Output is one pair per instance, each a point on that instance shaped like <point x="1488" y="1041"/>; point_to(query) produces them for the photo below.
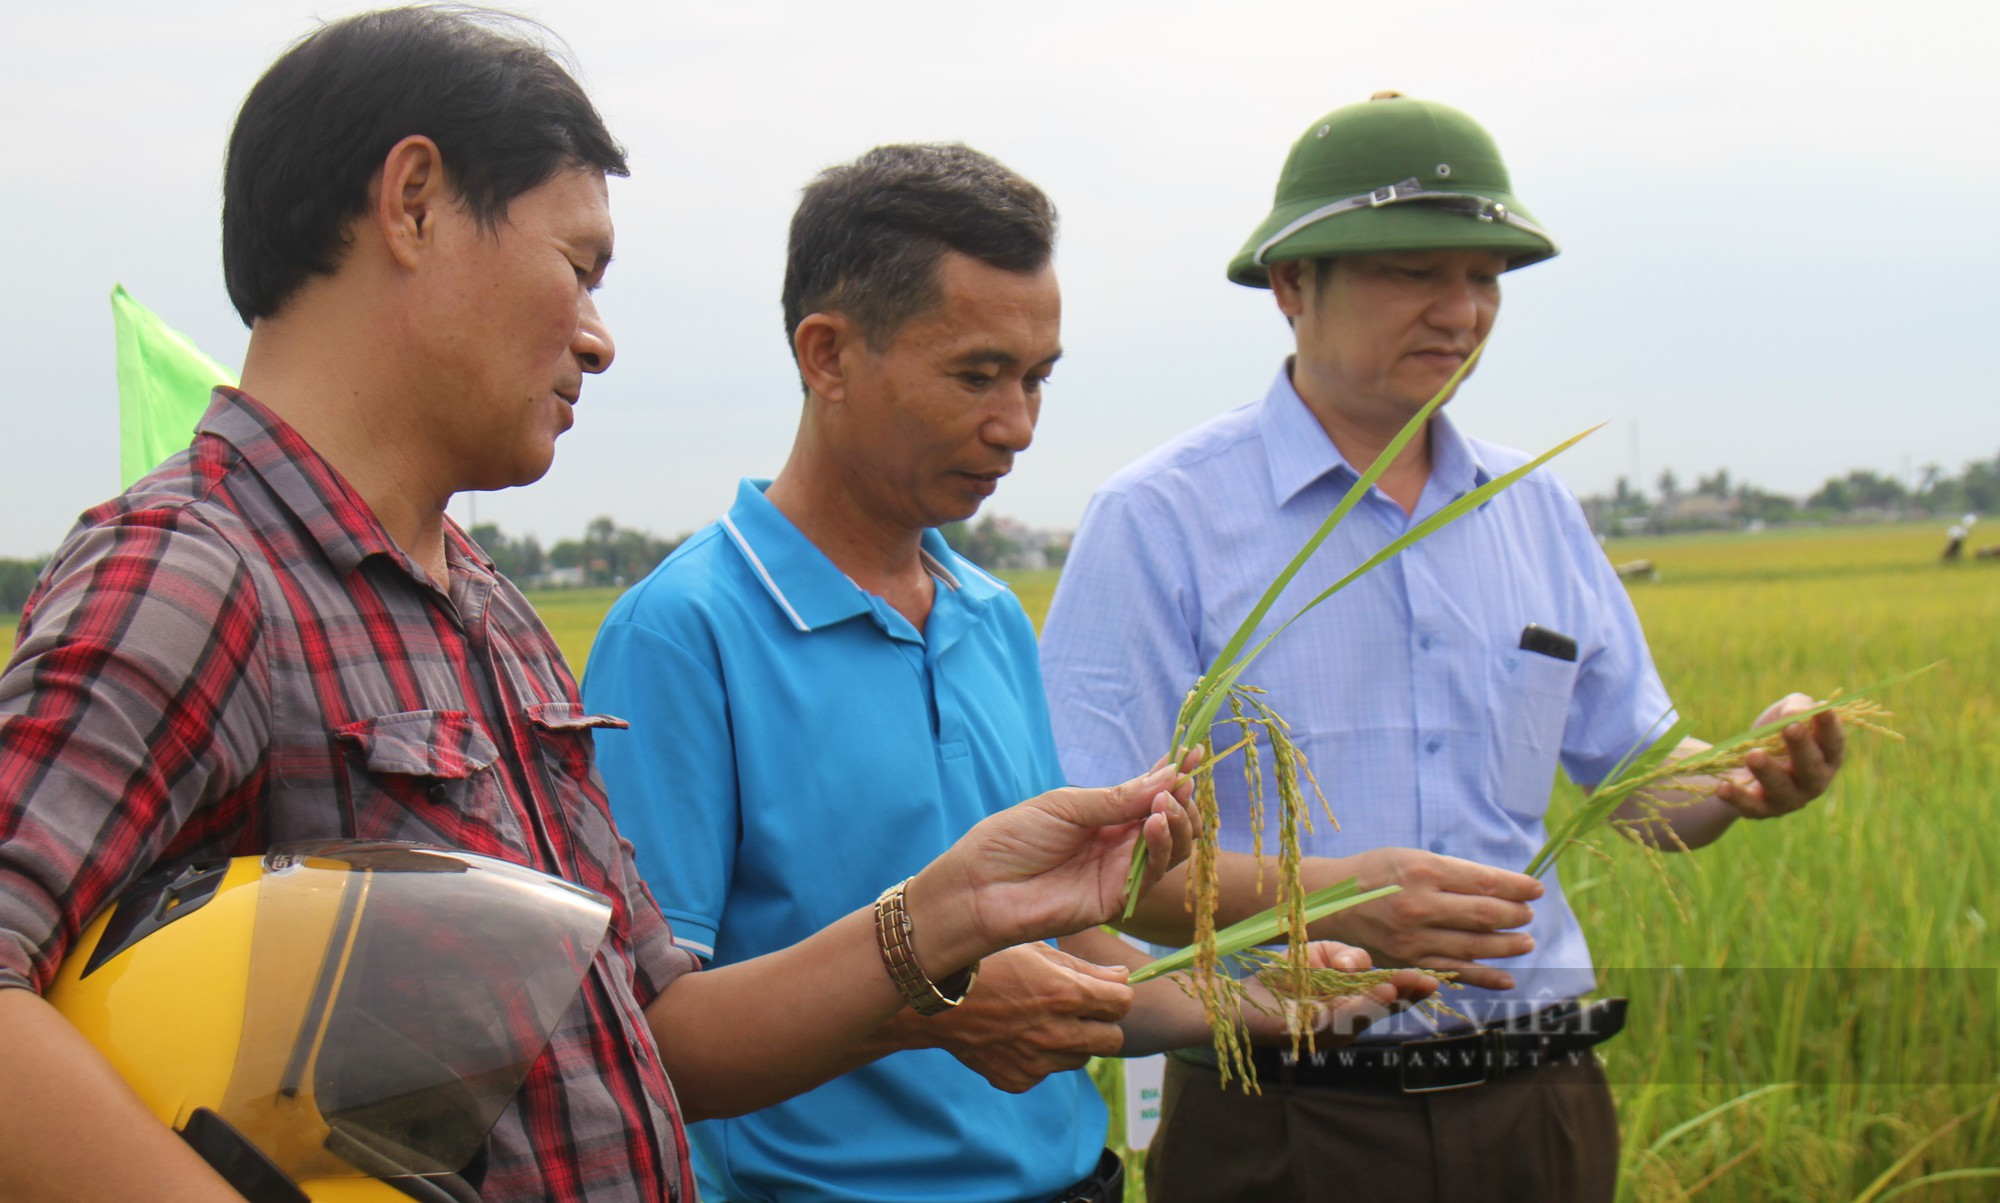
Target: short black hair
<point x="505" y="113"/>
<point x="868" y="235"/>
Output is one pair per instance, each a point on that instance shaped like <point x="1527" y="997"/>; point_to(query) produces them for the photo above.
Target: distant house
<point x="558" y="578"/>
<point x="1697" y="511"/>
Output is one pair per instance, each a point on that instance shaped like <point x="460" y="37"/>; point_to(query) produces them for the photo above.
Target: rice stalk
<point x="1222" y="685"/>
<point x="1657" y="779"/>
<point x="1221" y="996"/>
<point x="1253" y="780"/>
<point x="1875" y="1188"/>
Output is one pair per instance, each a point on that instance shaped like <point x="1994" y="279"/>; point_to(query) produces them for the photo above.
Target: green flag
<point x="163" y="387"/>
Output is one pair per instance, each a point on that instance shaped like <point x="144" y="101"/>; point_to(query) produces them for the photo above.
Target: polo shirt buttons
<point x="1433" y="743"/>
<point x="1428" y="642"/>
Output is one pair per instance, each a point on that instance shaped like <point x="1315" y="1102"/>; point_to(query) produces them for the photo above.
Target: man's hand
<point x="1337" y="1023"/>
<point x="1052" y="865"/>
<point x="1778" y="785"/>
<point x="1034" y="1011"/>
<point x="1450" y="914"/>
<point x="1698" y="813"/>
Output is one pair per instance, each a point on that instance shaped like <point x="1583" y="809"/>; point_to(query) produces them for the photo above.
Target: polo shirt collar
<point x="807" y="586"/>
<point x="1300" y="453"/>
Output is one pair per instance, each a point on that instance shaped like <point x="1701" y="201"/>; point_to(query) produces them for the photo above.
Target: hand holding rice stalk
<point x="1292" y="977"/>
<point x="1659" y="777"/>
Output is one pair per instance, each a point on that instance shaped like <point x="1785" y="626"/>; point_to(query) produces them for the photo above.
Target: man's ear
<point x="1288" y="286"/>
<point x="411" y="193"/>
<point x="823" y="344"/>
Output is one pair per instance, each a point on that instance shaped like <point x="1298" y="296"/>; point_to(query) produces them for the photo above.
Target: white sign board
<point x="1143" y="1076"/>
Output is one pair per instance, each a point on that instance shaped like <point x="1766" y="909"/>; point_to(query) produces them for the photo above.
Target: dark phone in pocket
<point x="1554" y="644"/>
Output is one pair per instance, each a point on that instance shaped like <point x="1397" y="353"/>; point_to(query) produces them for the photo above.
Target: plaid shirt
<point x="235" y="654"/>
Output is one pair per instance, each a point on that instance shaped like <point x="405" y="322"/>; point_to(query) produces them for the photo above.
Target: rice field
<point x="573" y="616"/>
<point x="1898" y="1071"/>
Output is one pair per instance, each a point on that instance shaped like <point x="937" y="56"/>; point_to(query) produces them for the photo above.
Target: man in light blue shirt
<point x="1434" y="698"/>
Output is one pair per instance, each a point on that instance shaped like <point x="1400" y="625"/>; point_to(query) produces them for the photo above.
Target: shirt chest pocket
<point x="428" y="776"/>
<point x="1528" y="703"/>
<point x="563" y="731"/>
<point x="566" y="760"/>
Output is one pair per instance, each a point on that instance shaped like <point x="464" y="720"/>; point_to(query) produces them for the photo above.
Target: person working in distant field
<point x="278" y="636"/>
<point x="1434" y="698"/>
<point x="823" y="695"/>
<point x="1954" y="539"/>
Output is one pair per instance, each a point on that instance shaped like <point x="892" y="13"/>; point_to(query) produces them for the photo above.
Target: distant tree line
<point x="984" y="542"/>
<point x="607" y="554"/>
<point x="17" y="581"/>
<point x="1718" y="502"/>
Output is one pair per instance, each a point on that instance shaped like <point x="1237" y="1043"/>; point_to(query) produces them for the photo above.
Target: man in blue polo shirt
<point x="822" y="696"/>
<point x="847" y="695"/>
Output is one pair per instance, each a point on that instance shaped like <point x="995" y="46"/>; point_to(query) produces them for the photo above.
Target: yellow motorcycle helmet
<point x="334" y="1022"/>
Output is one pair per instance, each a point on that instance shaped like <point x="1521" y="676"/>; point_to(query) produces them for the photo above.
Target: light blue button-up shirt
<point x="1424" y="720"/>
<point x="796" y="745"/>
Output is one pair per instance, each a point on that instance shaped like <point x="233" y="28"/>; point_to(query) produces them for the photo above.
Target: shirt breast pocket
<point x="427" y="776"/>
<point x="562" y="733"/>
<point x="1528" y="700"/>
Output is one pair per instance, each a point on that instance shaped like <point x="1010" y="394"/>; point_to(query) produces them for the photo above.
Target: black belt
<point x="1105" y="1184"/>
<point x="1453" y="1062"/>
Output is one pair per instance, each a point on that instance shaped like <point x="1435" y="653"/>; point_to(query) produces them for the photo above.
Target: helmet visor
<point x="398" y="996"/>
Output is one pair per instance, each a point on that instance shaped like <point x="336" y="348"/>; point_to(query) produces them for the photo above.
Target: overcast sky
<point x="1780" y="248"/>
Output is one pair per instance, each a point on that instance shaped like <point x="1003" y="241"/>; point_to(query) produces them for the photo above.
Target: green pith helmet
<point x="1392" y="174"/>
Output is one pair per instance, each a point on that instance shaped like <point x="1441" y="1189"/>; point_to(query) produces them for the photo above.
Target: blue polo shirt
<point x="796" y="745"/>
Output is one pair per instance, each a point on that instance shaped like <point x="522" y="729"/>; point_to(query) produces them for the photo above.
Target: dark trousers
<point x="1548" y="1134"/>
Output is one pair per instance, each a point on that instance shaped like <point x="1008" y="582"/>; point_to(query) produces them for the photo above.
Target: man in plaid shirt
<point x="279" y="636"/>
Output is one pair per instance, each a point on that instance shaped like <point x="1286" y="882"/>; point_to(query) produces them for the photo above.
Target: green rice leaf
<point x="1610" y="794"/>
<point x="1355" y="493"/>
<point x="1206" y="699"/>
<point x="1672" y="1134"/>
